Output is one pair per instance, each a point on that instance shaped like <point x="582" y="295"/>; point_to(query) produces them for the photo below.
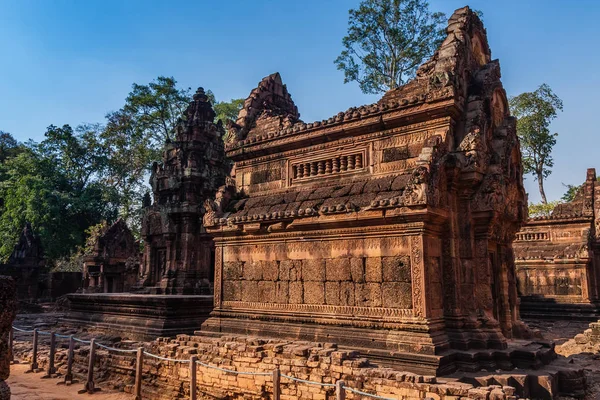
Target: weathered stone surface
<point x="556" y="257"/>
<point x="177" y="253"/>
<point x="357" y="209"/>
<point x="112" y="265"/>
<point x="8" y="310"/>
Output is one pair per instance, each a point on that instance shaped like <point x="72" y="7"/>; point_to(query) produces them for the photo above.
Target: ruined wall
<point x="8" y="310"/>
<point x="317" y="362"/>
<point x="557" y="256"/>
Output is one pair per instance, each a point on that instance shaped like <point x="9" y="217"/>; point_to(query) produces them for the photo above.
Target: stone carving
<point x="8" y="311"/>
<point x="411" y="230"/>
<point x="112" y="263"/>
<point x="177" y="255"/>
<point x="557" y="257"/>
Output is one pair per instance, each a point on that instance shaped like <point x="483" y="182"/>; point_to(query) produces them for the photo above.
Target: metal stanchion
<point x="193" y="393"/>
<point x="138" y="373"/>
<point x="51" y="370"/>
<point x="34" y="363"/>
<point x="276" y="381"/>
<point x="11" y="355"/>
<point x="340" y="392"/>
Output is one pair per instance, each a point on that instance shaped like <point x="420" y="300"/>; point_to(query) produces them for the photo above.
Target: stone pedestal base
<point x="137" y="316"/>
<point x="420" y="348"/>
<point x="537" y="307"/>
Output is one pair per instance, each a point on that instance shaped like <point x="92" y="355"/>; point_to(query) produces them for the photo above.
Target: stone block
<point x="232" y="290"/>
<point x="347" y="294"/>
<point x="253" y="271"/>
<point x="373" y="271"/>
<point x="396" y="269"/>
<point x="270" y="270"/>
<point x="314" y="292"/>
<point x="357" y="269"/>
<point x="332" y="293"/>
<point x="249" y="291"/>
<point x="266" y="291"/>
<point x="313" y="270"/>
<point x="368" y="294"/>
<point x="282" y="295"/>
<point x="396" y="294"/>
<point x="338" y="269"/>
<point x="233" y="269"/>
<point x="290" y="270"/>
<point x="296" y="292"/>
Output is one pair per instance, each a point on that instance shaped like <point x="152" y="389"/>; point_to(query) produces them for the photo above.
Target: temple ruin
<point x="178" y="255"/>
<point x="387" y="228"/>
<point x="558" y="258"/>
<point x="112" y="263"/>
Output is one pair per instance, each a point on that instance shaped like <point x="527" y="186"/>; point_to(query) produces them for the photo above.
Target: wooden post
<point x="193" y="393"/>
<point x="69" y="374"/>
<point x="138" y="373"/>
<point x="51" y="370"/>
<point x="34" y="363"/>
<point x="340" y="392"/>
<point x="89" y="385"/>
<point x="11" y="354"/>
<point x="276" y="381"/>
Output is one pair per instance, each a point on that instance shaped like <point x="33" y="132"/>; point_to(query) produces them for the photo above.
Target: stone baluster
<point x="313" y="168"/>
<point x="321" y="167"/>
<point x="359" y="161"/>
<point x="328" y="166"/>
<point x="306" y="170"/>
<point x="336" y="164"/>
<point x="351" y="163"/>
<point x="300" y="170"/>
<point x="344" y="163"/>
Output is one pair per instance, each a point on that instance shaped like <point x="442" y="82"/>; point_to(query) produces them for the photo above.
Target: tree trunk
<point x="540" y="179"/>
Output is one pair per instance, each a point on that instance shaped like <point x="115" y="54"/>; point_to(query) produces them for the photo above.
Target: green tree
<point x="56" y="185"/>
<point x="134" y="137"/>
<point x="542" y="209"/>
<point x="225" y="110"/>
<point x="535" y="110"/>
<point x="570" y="193"/>
<point x="8" y="146"/>
<point x="387" y="40"/>
<point x="154" y="109"/>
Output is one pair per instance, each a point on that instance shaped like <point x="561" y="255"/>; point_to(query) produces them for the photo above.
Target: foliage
<point x="56" y="186"/>
<point x="387" y="40"/>
<point x="542" y="209"/>
<point x="570" y="193"/>
<point x="535" y="110"/>
<point x="225" y="110"/>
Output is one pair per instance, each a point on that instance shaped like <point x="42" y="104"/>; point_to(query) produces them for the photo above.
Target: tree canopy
<point x="535" y="110"/>
<point x="78" y="177"/>
<point x="387" y="40"/>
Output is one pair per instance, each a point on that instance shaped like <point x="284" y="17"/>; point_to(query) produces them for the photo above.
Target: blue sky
<point x="73" y="61"/>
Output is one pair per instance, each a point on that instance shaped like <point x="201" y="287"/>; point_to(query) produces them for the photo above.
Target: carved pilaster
<point x="418" y="276"/>
<point x="218" y="275"/>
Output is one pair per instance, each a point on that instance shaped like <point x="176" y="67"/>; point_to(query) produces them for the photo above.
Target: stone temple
<point x="558" y="258"/>
<point x="387" y="228"/>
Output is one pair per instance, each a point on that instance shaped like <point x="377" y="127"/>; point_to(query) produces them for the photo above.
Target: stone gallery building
<point x="388" y="227"/>
<point x="558" y="258"/>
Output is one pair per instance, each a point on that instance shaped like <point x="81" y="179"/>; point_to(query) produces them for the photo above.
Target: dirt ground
<point x="32" y="387"/>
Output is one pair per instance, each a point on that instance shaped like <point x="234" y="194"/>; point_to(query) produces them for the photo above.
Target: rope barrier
<point x="114" y="349"/>
<point x="234" y="372"/>
<point x="374" y="396"/>
<point x="164" y="358"/>
<point x="358" y="392"/>
<point x="308" y="382"/>
<point x="22" y="330"/>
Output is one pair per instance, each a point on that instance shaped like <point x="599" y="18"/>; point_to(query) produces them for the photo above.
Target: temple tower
<point x="178" y="255"/>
